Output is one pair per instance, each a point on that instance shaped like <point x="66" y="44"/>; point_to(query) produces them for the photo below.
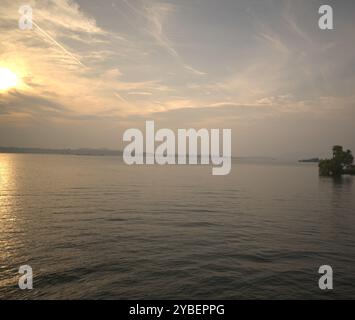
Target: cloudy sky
<point x="89" y="69"/>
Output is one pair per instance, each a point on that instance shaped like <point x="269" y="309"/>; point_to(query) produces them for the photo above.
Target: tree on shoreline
<point x="341" y="163"/>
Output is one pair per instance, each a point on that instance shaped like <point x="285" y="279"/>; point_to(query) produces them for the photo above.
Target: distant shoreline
<point x="75" y="152"/>
<point x="312" y="160"/>
<point x="107" y="152"/>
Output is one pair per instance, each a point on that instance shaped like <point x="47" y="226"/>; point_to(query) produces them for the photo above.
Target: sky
<point x="88" y="70"/>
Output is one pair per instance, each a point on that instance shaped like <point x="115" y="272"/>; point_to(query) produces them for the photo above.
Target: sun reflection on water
<point x="9" y="228"/>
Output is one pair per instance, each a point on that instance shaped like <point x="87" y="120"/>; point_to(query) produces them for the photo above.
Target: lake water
<point x="92" y="227"/>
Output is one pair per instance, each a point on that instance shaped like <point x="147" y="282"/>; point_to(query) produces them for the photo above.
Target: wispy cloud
<point x="156" y="13"/>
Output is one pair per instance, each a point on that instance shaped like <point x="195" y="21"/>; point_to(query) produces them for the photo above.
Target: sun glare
<point x="8" y="79"/>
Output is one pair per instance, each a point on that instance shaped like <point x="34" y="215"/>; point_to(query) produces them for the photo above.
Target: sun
<point x="8" y="79"/>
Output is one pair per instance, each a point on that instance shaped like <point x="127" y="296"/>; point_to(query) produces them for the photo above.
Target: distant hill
<point x="77" y="152"/>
